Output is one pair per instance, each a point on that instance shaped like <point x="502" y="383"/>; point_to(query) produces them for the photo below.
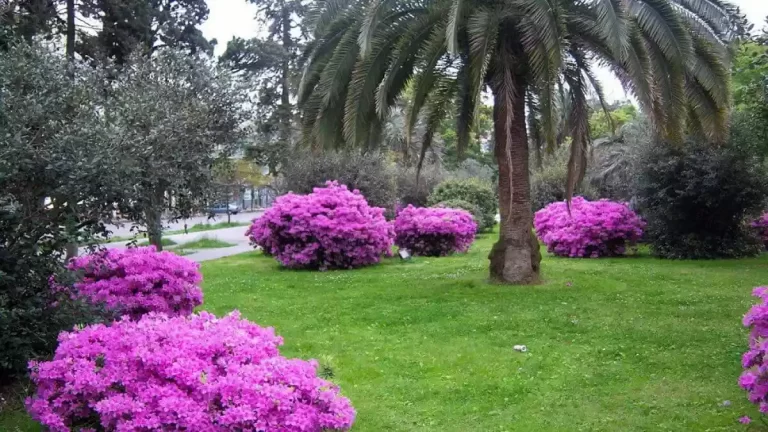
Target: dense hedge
<point x="193" y="373"/>
<point x="473" y="191"/>
<point x="591" y="228"/>
<point x="698" y="200"/>
<point x="434" y="231"/>
<point x="331" y="228"/>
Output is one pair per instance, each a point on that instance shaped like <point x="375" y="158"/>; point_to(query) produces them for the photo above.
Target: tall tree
<point x="670" y="54"/>
<point x="57" y="169"/>
<point x="750" y="88"/>
<point x="71" y="30"/>
<point x="174" y="117"/>
<point x="128" y="26"/>
<point x="26" y="19"/>
<point x="271" y="61"/>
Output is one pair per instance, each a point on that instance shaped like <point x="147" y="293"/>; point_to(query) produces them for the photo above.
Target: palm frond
<point x="370" y="22"/>
<point x="482" y="32"/>
<point x="611" y="21"/>
<point x="436" y="110"/>
<point x="578" y="120"/>
<point x="432" y="51"/>
<point x="322" y="13"/>
<point x="660" y="23"/>
<point x="454" y="23"/>
<point x="669" y="91"/>
<point x="403" y="58"/>
<point x="360" y="108"/>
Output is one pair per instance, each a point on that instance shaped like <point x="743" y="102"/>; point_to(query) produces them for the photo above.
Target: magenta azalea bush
<point x="754" y="379"/>
<point x="434" y="231"/>
<point x="592" y="229"/>
<point x="331" y="228"/>
<point x="137" y="281"/>
<point x="195" y="373"/>
<point x="761" y="226"/>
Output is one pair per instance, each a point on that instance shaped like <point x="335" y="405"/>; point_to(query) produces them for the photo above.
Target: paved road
<point x="124" y="230"/>
<point x="235" y="235"/>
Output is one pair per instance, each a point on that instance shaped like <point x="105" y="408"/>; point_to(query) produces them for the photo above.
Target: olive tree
<point x="174" y="117"/>
<point x="59" y="178"/>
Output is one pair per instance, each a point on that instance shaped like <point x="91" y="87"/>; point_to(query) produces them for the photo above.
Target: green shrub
<point x="548" y="183"/>
<point x="371" y="173"/>
<point x="463" y="205"/>
<point x="31" y="313"/>
<point x="615" y="161"/>
<point x="697" y="199"/>
<point x="474" y="191"/>
<point x="409" y="191"/>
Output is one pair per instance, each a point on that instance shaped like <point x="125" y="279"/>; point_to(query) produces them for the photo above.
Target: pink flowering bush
<point x="137" y="281"/>
<point x="761" y="226"/>
<point x="331" y="228"/>
<point x="754" y="379"/>
<point x="195" y="373"/>
<point x="434" y="231"/>
<point x="592" y="229"/>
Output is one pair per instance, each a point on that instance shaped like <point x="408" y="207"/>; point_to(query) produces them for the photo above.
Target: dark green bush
<point x="474" y="191"/>
<point x="31" y="314"/>
<point x="548" y="183"/>
<point x="463" y="205"/>
<point x="416" y="193"/>
<point x="59" y="182"/>
<point x="370" y="172"/>
<point x="698" y="198"/>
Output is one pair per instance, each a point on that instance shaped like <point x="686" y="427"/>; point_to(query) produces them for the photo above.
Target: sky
<point x="229" y="18"/>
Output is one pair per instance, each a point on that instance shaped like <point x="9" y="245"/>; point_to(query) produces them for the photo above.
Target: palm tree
<point x="670" y="54"/>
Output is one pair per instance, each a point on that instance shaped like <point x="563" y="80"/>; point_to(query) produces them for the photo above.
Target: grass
<point x="193" y="229"/>
<point x="207" y="227"/>
<point x="201" y="243"/>
<point x="629" y="344"/>
<point x="205" y="243"/>
<point x="164" y="242"/>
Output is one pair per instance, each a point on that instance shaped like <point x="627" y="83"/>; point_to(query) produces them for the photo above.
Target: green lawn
<point x="163" y="241"/>
<point x="632" y="344"/>
<point x="205" y="243"/>
<point x="202" y="243"/>
<point x="194" y="228"/>
<point x="207" y="227"/>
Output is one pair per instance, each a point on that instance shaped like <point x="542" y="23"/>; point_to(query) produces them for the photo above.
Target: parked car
<point x="224" y="209"/>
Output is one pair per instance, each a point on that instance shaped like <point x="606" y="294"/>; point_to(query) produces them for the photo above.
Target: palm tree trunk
<point x="515" y="258"/>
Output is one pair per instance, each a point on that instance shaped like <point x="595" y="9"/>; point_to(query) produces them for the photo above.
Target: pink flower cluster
<point x="755" y="378"/>
<point x="434" y="231"/>
<point x="195" y="373"/>
<point x="592" y="229"/>
<point x="330" y="228"/>
<point x="761" y="226"/>
<point x="137" y="281"/>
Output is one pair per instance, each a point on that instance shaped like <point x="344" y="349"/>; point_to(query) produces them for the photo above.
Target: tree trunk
<point x="285" y="91"/>
<point x="154" y="217"/>
<point x="71" y="251"/>
<point x="72" y="246"/>
<point x="155" y="228"/>
<point x="71" y="31"/>
<point x="515" y="258"/>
